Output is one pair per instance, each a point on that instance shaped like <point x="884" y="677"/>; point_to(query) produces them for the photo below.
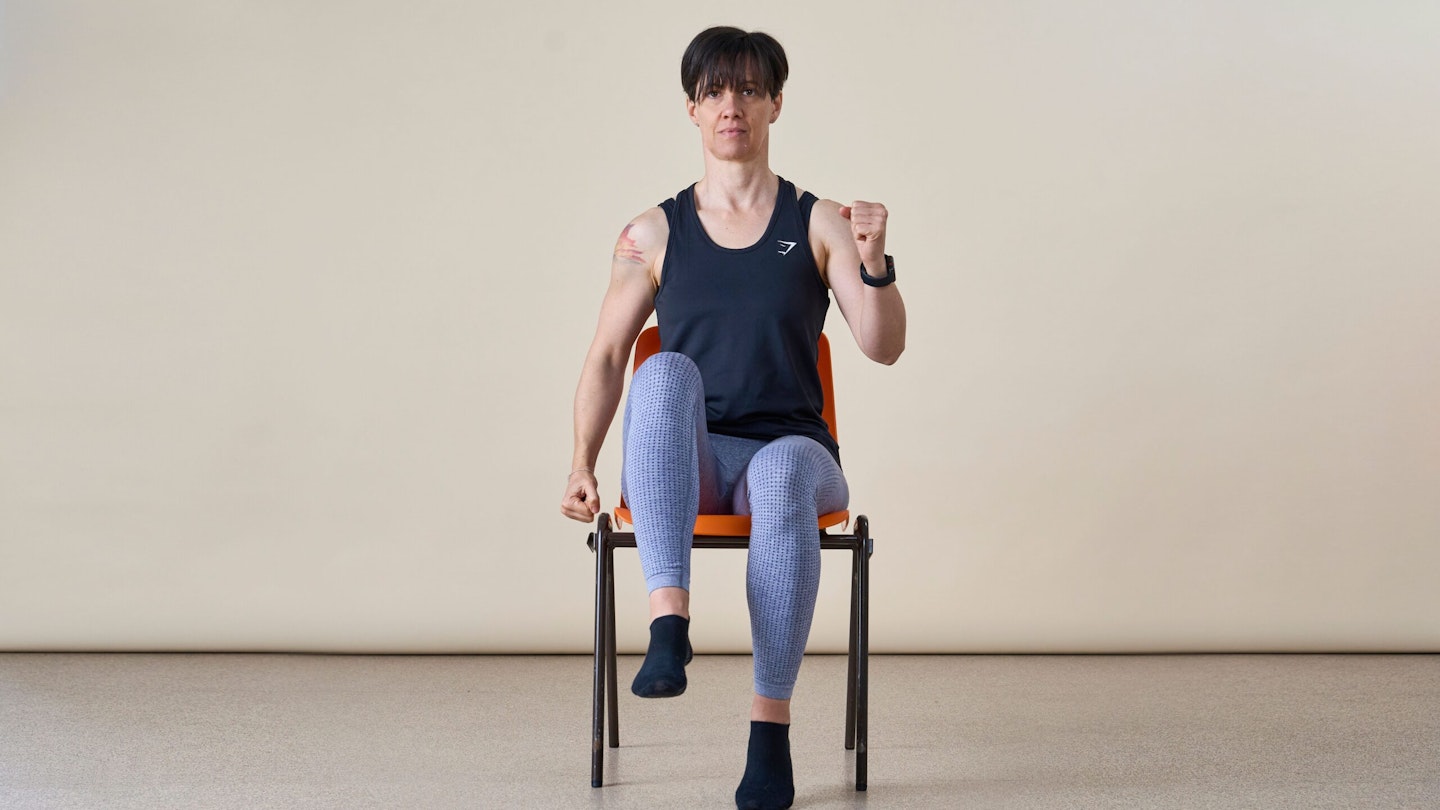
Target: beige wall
<point x="293" y="298"/>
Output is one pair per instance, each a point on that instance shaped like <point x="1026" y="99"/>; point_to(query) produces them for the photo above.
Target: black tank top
<point x="749" y="318"/>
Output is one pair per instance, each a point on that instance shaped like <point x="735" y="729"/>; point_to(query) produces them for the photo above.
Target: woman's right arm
<point x="628" y="303"/>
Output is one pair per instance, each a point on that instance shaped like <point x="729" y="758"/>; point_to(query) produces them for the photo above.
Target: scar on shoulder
<point x="625" y="248"/>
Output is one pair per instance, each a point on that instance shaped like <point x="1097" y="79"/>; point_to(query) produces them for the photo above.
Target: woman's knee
<point x="784" y="473"/>
<point x="666" y="367"/>
<point x="666" y="380"/>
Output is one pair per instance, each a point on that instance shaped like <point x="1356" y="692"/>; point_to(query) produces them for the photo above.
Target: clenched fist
<point x="867" y="228"/>
<point x="581" y="500"/>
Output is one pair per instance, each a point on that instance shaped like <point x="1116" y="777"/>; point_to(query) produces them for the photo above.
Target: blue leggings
<point x="675" y="469"/>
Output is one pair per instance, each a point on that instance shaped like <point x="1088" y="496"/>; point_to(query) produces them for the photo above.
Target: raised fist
<point x="867" y="228"/>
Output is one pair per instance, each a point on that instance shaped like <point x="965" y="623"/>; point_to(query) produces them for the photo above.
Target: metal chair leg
<point x="597" y="743"/>
<point x="610" y="651"/>
<point x="862" y="707"/>
<point x="854" y="651"/>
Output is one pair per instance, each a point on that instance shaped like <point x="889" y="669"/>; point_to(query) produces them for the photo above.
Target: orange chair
<point x="733" y="531"/>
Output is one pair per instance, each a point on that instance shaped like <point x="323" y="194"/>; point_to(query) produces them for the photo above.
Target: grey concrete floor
<point x="320" y="731"/>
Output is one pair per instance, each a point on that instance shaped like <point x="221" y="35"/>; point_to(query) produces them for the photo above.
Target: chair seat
<point x="733" y="525"/>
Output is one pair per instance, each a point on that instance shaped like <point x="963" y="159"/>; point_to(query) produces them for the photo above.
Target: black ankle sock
<point x="663" y="673"/>
<point x="769" y="782"/>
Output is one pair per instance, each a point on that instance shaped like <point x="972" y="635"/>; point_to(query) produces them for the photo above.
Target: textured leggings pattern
<point x="674" y="469"/>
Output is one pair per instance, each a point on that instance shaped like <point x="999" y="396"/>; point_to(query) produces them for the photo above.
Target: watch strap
<point x="883" y="281"/>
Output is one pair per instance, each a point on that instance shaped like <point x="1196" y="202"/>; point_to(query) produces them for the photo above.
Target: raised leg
<point x="670" y="474"/>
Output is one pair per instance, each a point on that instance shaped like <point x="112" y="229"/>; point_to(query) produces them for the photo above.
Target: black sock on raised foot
<point x="769" y="781"/>
<point x="663" y="673"/>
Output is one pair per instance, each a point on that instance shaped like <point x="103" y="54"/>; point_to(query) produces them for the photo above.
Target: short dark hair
<point x="725" y="57"/>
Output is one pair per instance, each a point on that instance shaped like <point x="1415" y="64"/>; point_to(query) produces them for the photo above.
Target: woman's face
<point x="734" y="121"/>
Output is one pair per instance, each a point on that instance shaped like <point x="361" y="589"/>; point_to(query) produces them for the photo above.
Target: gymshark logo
<point x="786" y="250"/>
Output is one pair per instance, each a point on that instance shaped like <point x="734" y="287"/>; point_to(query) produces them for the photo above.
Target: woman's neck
<point x="737" y="186"/>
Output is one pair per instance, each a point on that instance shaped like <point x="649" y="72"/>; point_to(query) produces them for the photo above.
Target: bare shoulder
<point x="828" y="230"/>
<point x="645" y="233"/>
<point x="826" y="214"/>
<point x="642" y="240"/>
<point x="640" y="248"/>
<point x="821" y="207"/>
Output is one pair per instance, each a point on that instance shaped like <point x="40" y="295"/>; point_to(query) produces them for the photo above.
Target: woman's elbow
<point x="887" y="355"/>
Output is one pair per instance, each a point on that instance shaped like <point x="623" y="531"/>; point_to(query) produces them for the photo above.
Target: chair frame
<point x="604" y="540"/>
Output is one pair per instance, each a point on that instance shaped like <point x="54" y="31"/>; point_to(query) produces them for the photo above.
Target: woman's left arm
<point x="849" y="236"/>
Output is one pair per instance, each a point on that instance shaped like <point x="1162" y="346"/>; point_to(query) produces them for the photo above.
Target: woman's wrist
<point x="885" y="279"/>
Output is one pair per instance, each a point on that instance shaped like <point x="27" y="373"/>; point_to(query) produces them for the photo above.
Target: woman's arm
<point x="848" y="235"/>
<point x="628" y="303"/>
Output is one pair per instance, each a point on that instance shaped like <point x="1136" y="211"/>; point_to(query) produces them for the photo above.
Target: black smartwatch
<point x="885" y="280"/>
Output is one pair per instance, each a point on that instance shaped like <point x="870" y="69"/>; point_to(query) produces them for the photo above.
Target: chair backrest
<point x="649" y="343"/>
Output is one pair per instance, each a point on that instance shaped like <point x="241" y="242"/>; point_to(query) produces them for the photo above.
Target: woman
<point x="738" y="269"/>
